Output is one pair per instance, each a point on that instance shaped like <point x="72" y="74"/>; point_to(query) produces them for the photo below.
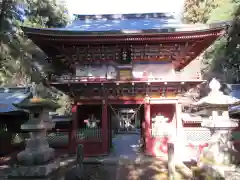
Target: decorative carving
<point x="159" y="122"/>
<point x="92" y="121"/>
<point x="131" y="52"/>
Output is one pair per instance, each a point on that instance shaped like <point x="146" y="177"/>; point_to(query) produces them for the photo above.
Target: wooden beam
<point x="123" y="38"/>
<point x="198" y="48"/>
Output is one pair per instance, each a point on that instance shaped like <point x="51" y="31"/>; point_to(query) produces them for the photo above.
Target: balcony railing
<point x="176" y="77"/>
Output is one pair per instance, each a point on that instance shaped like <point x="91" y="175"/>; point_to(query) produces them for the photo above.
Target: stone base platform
<point x="228" y="172"/>
<point x="34" y="171"/>
<point x="54" y="170"/>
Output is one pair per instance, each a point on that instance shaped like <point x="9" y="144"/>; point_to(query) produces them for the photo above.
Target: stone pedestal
<point x="220" y="147"/>
<point x="218" y="157"/>
<point x="34" y="170"/>
<point x="62" y="168"/>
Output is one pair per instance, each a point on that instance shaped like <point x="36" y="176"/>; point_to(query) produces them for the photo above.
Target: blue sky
<point x="124" y="6"/>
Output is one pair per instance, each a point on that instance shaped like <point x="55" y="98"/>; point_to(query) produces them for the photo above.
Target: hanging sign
<point x="125" y="74"/>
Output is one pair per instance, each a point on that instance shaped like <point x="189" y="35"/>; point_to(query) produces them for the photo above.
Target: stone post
<point x="171" y="161"/>
<point x="80" y="156"/>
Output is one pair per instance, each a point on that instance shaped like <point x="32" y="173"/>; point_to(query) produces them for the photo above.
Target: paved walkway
<point x="126" y="146"/>
<point x="131" y="164"/>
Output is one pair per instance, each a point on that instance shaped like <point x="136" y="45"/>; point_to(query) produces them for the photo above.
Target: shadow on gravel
<point x="143" y="171"/>
<point x="99" y="172"/>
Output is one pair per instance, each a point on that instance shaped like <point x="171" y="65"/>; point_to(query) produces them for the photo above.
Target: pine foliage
<point x="222" y="59"/>
<point x="21" y="61"/>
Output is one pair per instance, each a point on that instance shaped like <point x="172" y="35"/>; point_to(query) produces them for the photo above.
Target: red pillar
<point x="105" y="129"/>
<point x="72" y="138"/>
<point x="147" y="127"/>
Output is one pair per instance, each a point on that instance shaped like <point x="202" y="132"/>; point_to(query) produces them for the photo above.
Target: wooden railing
<point x="178" y="76"/>
<point x="197" y="134"/>
<point x="61" y="137"/>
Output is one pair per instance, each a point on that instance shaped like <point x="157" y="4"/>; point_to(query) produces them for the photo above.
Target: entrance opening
<point x="126" y="118"/>
<point x="125" y="122"/>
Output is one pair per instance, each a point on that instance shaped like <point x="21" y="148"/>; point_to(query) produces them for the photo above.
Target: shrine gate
<point x="110" y="63"/>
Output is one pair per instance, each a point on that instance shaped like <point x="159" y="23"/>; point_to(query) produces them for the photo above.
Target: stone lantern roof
<point x="216" y="98"/>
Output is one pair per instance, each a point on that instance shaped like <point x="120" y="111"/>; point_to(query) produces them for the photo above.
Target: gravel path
<point x="99" y="172"/>
<point x="126" y="170"/>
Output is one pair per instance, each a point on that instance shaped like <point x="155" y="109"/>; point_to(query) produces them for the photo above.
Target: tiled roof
<point x="11" y="96"/>
<point x="235" y="90"/>
<point x="124" y="24"/>
<point x="133" y="22"/>
<point x="120" y="22"/>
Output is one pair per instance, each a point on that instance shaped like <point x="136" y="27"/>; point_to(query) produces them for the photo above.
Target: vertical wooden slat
<point x="179" y="145"/>
<point x="73" y="131"/>
<point x="147" y="126"/>
<point x="105" y="128"/>
<point x="171" y="161"/>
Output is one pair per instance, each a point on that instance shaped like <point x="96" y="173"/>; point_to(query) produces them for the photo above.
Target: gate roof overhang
<point x="139" y="29"/>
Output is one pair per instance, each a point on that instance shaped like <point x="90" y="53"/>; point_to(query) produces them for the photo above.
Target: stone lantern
<point x="220" y="147"/>
<point x="38" y="158"/>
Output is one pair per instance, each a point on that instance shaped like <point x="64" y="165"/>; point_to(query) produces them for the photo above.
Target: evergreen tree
<point x="20" y="59"/>
<point x="198" y="11"/>
<point x="232" y="48"/>
<point x="222" y="58"/>
<point x="45" y="13"/>
<point x="18" y="54"/>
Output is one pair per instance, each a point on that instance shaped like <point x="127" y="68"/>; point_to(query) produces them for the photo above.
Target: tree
<point x="18" y="54"/>
<point x="45" y="13"/>
<point x="20" y="60"/>
<point x="221" y="59"/>
<point x="223" y="12"/>
<point x="232" y="50"/>
<point x="10" y="15"/>
<point x="198" y="11"/>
